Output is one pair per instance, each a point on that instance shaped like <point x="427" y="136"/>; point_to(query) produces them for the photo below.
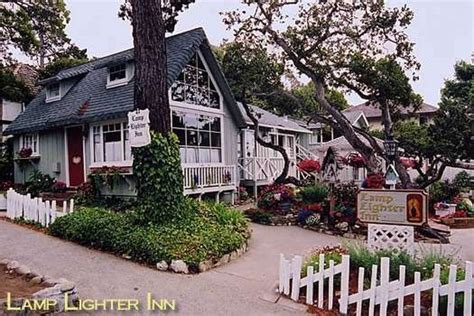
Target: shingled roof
<point x="371" y="111"/>
<point x="268" y="119"/>
<point x="89" y="100"/>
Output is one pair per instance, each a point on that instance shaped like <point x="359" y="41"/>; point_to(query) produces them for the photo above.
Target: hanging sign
<point x="139" y="127"/>
<point x="399" y="207"/>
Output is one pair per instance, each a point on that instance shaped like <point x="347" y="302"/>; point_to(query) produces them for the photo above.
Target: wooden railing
<point x="206" y="176"/>
<point x="264" y="168"/>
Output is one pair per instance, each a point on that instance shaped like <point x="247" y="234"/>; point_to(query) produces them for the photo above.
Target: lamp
<point x="391" y="146"/>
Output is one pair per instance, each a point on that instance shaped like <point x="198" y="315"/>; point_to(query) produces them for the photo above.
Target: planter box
<point x="3" y="200"/>
<point x="459" y="222"/>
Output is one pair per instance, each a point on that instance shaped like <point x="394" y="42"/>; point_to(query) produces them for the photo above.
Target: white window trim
<point x="198" y="111"/>
<point x="198" y="107"/>
<point x="118" y="82"/>
<point x="22" y="143"/>
<point x="55" y="98"/>
<point x="120" y="163"/>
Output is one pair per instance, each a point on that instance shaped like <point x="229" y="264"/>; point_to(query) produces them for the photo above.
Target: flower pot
<point x="285" y="206"/>
<point x="3" y="201"/>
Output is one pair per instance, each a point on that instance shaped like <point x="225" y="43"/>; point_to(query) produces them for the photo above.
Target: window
<point x="194" y="86"/>
<point x="315" y="138"/>
<point x="117" y="75"/>
<point x="30" y="141"/>
<point x="199" y="137"/>
<point x="355" y="173"/>
<point x="53" y="92"/>
<point x="111" y="144"/>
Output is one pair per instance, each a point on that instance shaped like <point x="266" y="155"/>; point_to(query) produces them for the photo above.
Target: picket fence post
<point x="468" y="288"/>
<point x="401" y="291"/>
<point x="344" y="300"/>
<point x="451" y="291"/>
<point x="321" y="281"/>
<point x="309" y="285"/>
<point x="331" y="284"/>
<point x="295" y="286"/>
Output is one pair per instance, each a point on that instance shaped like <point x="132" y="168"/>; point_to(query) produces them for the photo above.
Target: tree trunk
<point x="151" y="88"/>
<point x="284" y="173"/>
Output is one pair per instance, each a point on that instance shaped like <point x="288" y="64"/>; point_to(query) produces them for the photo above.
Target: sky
<point x="443" y="31"/>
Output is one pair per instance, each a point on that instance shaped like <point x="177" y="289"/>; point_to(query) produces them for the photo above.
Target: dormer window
<point x="53" y="92"/>
<point x="117" y="76"/>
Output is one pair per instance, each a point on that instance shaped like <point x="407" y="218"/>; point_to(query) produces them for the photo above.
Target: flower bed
<point x="207" y="233"/>
<point x="362" y="257"/>
<point x="309" y="207"/>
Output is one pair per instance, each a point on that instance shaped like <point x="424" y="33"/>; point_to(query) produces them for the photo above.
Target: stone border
<point x="179" y="266"/>
<point x="55" y="290"/>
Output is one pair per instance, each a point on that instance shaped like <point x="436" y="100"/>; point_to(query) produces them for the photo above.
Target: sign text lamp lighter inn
<point x="78" y="124"/>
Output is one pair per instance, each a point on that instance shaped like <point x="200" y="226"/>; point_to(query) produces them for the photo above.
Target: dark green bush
<point x="314" y="194"/>
<point x="38" y="182"/>
<point x="207" y="232"/>
<point x="259" y="216"/>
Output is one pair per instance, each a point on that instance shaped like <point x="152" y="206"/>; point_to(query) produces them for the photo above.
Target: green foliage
<point x="412" y="137"/>
<point x="6" y="161"/>
<point x="209" y="232"/>
<point x="451" y="133"/>
<point x="346" y="193"/>
<point x="159" y="179"/>
<point x="24" y="23"/>
<point x="330" y="253"/>
<point x="38" y="182"/>
<point x="306" y="93"/>
<point x="11" y="88"/>
<point x="317" y="193"/>
<point x="259" y="216"/>
<point x="463" y="181"/>
<point x="73" y="56"/>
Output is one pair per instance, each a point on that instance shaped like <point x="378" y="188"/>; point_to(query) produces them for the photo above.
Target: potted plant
<point x="25" y="153"/>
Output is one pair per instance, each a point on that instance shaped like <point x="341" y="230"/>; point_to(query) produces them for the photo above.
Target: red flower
<point x="354" y="160"/>
<point x="375" y="181"/>
<point x="309" y="165"/>
<point x="25" y="152"/>
<point x="315" y="207"/>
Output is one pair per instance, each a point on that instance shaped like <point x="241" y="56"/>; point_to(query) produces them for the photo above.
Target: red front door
<point x="75" y="156"/>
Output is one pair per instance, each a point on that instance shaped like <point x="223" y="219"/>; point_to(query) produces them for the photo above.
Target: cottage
<point x="78" y="123"/>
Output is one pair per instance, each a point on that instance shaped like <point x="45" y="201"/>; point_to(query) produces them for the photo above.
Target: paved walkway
<point x="240" y="287"/>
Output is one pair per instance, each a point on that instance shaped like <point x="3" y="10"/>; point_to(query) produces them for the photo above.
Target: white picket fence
<point x="35" y="209"/>
<point x="381" y="290"/>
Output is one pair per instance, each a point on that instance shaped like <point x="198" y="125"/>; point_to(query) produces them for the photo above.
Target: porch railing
<point x="264" y="168"/>
<point x="206" y="176"/>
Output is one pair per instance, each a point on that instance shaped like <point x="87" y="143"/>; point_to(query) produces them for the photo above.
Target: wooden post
<point x="436" y="284"/>
<point x="321" y="281"/>
<point x="384" y="281"/>
<point x="468" y="289"/>
<point x="296" y="267"/>
<point x="310" y="285"/>
<point x="344" y="300"/>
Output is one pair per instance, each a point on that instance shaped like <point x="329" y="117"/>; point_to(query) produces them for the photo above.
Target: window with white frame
<point x="53" y="92"/>
<point x="194" y="86"/>
<point x="117" y="75"/>
<point x="315" y="137"/>
<point x="30" y="141"/>
<point x="111" y="144"/>
<point x="199" y="137"/>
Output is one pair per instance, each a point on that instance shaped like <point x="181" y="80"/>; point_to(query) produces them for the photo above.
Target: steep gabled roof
<point x="268" y="119"/>
<point x="371" y="111"/>
<point x="88" y="100"/>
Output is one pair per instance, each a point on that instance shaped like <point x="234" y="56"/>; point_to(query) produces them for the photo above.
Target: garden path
<point x="241" y="287"/>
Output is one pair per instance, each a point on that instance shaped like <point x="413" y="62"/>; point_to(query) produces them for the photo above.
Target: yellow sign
<point x="400" y="207"/>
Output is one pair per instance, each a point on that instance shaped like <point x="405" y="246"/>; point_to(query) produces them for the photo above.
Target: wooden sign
<point x="139" y="127"/>
<point x="399" y="207"/>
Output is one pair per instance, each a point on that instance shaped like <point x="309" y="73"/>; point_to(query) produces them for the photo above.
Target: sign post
<point x="139" y="127"/>
<point x="392" y="215"/>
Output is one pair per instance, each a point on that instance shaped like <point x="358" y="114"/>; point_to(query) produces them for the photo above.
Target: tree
<point x="12" y="88"/>
<point x="157" y="166"/>
<point x="150" y="21"/>
<point x="352" y="46"/>
<point x="72" y="56"/>
<point x="36" y="28"/>
<point x="306" y="93"/>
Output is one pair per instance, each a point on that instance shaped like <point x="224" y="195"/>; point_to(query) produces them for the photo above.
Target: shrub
<point x="346" y="194"/>
<point x="39" y="182"/>
<point x="309" y="165"/>
<point x="462" y="181"/>
<point x="259" y="216"/>
<point x="271" y="196"/>
<point x="330" y="253"/>
<point x="208" y="232"/>
<point x="303" y="216"/>
<point x="314" y="194"/>
<point x="59" y="187"/>
<point x="5" y="185"/>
